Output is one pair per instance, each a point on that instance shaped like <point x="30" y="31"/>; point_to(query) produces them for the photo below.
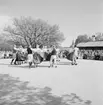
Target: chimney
<point x="93" y="37"/>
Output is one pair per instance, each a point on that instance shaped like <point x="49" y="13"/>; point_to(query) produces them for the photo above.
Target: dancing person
<point x="14" y="55"/>
<point x="53" y="57"/>
<point x="40" y="51"/>
<point x="58" y="51"/>
<point x="30" y="55"/>
<point x="75" y="56"/>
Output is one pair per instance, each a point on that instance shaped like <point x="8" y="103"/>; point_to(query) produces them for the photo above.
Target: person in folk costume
<point x="41" y="51"/>
<point x="58" y="51"/>
<point x="38" y="50"/>
<point x="47" y="54"/>
<point x="30" y="55"/>
<point x="53" y="57"/>
<point x="14" y="55"/>
<point x="25" y="53"/>
<point x="44" y="52"/>
<point x="21" y="53"/>
<point x="75" y="55"/>
<point x="5" y="54"/>
<point x="18" y="55"/>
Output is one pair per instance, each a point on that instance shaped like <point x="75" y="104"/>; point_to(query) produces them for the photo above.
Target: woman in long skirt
<point x="30" y="56"/>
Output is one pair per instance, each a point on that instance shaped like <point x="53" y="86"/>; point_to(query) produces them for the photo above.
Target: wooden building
<point x="91" y="50"/>
<point x="95" y="45"/>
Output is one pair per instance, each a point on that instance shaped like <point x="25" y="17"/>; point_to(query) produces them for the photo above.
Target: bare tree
<point x="32" y="32"/>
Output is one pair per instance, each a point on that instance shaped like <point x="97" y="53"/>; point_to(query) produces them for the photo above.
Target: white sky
<point x="74" y="17"/>
<point x="3" y="21"/>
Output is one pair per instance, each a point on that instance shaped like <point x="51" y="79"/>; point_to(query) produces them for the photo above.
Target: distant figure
<point x="5" y="54"/>
<point x="53" y="57"/>
<point x="14" y="55"/>
<point x="75" y="56"/>
<point x="58" y="51"/>
<point x="30" y="55"/>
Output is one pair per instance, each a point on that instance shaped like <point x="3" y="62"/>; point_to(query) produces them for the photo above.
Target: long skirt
<point x="70" y="56"/>
<point x="37" y="59"/>
<point x="30" y="57"/>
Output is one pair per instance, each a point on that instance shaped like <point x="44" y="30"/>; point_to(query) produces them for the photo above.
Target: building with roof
<point x="91" y="50"/>
<point x="95" y="45"/>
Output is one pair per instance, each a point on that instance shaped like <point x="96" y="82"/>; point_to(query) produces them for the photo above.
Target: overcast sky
<point x="74" y="17"/>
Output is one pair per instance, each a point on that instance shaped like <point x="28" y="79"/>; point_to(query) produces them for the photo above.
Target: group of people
<point x="5" y="54"/>
<point x="91" y="54"/>
<point x="52" y="51"/>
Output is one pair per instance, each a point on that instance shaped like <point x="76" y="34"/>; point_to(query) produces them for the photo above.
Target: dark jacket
<point x="29" y="51"/>
<point x="53" y="52"/>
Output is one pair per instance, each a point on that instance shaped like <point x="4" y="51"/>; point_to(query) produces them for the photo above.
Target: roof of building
<point x="91" y="44"/>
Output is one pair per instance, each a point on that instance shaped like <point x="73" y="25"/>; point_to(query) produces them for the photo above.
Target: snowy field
<point x="85" y="79"/>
